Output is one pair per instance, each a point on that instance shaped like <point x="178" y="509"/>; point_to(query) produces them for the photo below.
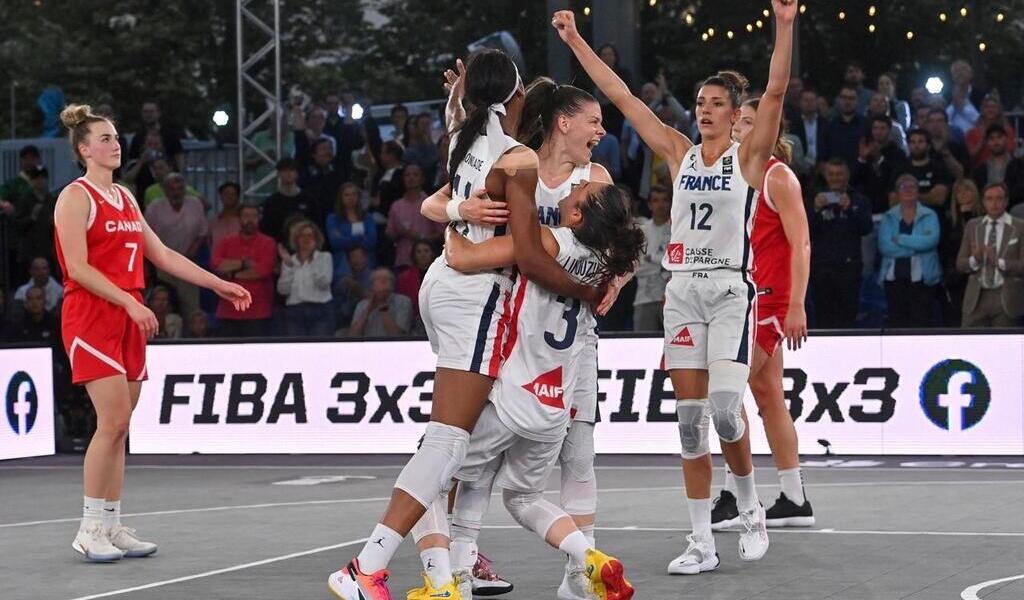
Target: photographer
<point x="839" y="218"/>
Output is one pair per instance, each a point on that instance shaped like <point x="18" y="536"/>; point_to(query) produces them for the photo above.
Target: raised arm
<point x="454" y="111"/>
<point x="757" y="147"/>
<point x="666" y="141"/>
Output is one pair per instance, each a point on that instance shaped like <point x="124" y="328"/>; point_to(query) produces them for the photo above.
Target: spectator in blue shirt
<point x="908" y="239"/>
<point x="350" y="226"/>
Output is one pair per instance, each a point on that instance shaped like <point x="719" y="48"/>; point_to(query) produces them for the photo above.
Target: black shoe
<point x="725" y="514"/>
<point x="785" y="513"/>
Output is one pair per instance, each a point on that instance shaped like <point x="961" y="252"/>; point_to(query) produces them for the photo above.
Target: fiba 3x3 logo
<point x="22" y="403"/>
<point x="955" y="395"/>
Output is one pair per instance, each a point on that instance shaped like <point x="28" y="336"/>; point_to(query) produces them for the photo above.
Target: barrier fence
<point x="870" y="394"/>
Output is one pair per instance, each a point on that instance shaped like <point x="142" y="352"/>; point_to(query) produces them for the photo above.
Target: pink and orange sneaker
<point x="351" y="583"/>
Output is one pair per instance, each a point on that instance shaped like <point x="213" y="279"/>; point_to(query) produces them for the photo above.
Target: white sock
<point x="111" y="514"/>
<point x="588" y="532"/>
<point x="700" y="516"/>
<point x="792" y="481"/>
<point x="92" y="510"/>
<point x="746" y="495"/>
<point x="437" y="565"/>
<point x="379" y="548"/>
<point x="730" y="481"/>
<point x="576" y="545"/>
<point x="463" y="553"/>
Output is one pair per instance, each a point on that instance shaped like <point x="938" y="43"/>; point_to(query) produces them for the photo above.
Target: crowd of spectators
<point x="914" y="209"/>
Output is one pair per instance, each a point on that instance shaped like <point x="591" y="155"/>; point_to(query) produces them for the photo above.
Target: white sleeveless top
<point x="548" y="198"/>
<point x="533" y="396"/>
<point x="712" y="215"/>
<point x="472" y="173"/>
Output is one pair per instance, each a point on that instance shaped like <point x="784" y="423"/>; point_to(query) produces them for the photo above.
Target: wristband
<point x="452" y="208"/>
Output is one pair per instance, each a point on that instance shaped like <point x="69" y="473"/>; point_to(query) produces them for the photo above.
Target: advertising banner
<point x="26" y="382"/>
<point x="928" y="395"/>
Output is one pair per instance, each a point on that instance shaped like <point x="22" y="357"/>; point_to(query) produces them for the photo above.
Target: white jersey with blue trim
<point x="471" y="175"/>
<point x="548" y="198"/>
<point x="534" y="394"/>
<point x="713" y="210"/>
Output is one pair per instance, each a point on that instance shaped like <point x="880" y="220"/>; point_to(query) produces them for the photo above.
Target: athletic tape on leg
<point x="434" y="521"/>
<point x="727" y="381"/>
<point x="532" y="511"/>
<point x="579" y="482"/>
<point x="429" y="472"/>
<point x="694" y="421"/>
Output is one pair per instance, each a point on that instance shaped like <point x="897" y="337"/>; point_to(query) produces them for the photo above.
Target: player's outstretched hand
<point x="237" y="295"/>
<point x="481" y="210"/>
<point x="795" y="327"/>
<point x="785" y="10"/>
<point x="454" y="79"/>
<point x="140" y="314"/>
<point x="565" y="22"/>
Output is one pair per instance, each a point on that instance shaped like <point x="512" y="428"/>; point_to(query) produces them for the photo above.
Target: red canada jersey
<point x="772" y="273"/>
<point x="114" y="238"/>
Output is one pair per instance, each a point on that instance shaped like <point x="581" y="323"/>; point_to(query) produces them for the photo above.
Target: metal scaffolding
<point x="259" y="88"/>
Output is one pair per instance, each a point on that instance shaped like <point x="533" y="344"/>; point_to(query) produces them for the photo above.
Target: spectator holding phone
<point x="839" y="219"/>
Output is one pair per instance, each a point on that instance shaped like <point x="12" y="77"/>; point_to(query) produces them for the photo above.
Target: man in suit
<point x="992" y="253"/>
<point x="810" y="126"/>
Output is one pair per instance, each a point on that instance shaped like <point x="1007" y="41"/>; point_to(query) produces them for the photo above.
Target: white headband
<point x="500" y="106"/>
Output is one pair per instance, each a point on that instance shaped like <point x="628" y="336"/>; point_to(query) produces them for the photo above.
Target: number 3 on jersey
<point x="705" y="210"/>
<point x="571" y="316"/>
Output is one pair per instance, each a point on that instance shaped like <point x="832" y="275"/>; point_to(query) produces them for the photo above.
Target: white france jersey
<point x="548" y="198"/>
<point x="712" y="215"/>
<point x="471" y="175"/>
<point x="533" y="395"/>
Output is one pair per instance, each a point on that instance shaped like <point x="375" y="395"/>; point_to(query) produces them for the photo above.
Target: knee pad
<point x="434" y="521"/>
<point x="694" y="418"/>
<point x="532" y="511"/>
<point x="727" y="381"/>
<point x="577" y="454"/>
<point x="429" y="472"/>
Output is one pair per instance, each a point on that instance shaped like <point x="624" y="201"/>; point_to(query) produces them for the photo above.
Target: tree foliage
<point x="183" y="51"/>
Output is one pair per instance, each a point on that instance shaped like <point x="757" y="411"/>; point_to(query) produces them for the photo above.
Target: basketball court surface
<point x="274" y="527"/>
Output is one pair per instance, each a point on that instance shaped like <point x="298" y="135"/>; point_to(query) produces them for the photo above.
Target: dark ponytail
<point x="734" y="82"/>
<point x="490" y="76"/>
<point x="545" y="101"/>
<point x="609" y="230"/>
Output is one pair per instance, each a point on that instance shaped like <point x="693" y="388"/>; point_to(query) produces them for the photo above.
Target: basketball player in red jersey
<point x="101" y="239"/>
<point x="782" y="255"/>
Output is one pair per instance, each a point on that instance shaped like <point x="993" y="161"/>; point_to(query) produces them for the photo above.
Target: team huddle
<point x="510" y="311"/>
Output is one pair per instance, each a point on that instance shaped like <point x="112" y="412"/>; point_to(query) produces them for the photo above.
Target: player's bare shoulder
<point x="516" y="159"/>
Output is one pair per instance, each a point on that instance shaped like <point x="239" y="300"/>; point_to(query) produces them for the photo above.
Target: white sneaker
<point x="464" y="581"/>
<point x="92" y="542"/>
<point x="753" y="534"/>
<point x="576" y="584"/>
<point x="700" y="556"/>
<point x="124" y="539"/>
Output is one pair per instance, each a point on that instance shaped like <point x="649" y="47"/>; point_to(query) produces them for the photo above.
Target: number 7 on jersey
<point x="134" y="247"/>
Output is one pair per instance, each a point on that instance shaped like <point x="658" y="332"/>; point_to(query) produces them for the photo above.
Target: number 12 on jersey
<point x="705" y="211"/>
